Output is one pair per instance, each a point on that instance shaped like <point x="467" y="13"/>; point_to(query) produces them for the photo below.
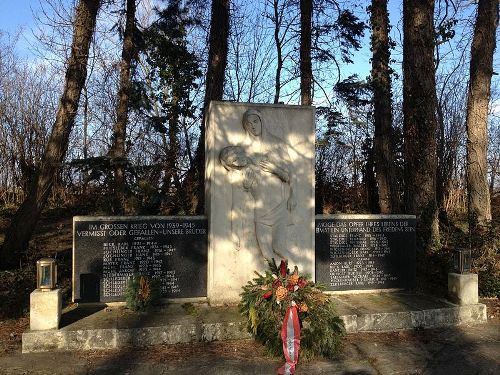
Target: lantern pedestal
<point x="463" y="288"/>
<point x="45" y="309"/>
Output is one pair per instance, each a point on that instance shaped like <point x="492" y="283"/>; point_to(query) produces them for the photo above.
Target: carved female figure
<point x="267" y="174"/>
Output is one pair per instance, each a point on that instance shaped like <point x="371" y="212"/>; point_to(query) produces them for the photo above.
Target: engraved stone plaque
<point x="365" y="252"/>
<point x="108" y="250"/>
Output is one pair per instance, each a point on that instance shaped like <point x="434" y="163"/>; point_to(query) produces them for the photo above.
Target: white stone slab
<point x="45" y="309"/>
<point x="248" y="206"/>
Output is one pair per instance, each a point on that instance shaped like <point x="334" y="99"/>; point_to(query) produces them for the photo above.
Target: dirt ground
<point x="10" y="334"/>
<point x="464" y="350"/>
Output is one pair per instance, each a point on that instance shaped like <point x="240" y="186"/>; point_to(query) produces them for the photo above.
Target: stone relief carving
<point x="261" y="167"/>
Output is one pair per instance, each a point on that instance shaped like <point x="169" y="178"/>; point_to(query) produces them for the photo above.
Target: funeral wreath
<point x="281" y="303"/>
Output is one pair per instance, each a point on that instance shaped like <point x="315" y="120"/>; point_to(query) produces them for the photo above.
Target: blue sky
<point x="17" y="16"/>
<point x="16" y="13"/>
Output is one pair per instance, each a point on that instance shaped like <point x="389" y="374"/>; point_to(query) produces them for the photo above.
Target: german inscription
<point x="365" y="251"/>
<point x="108" y="250"/>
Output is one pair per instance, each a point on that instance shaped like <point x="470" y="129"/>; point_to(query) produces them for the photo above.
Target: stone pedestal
<point x="45" y="309"/>
<point x="463" y="288"/>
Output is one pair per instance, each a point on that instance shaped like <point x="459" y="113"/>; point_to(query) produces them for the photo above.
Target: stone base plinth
<point x="114" y="328"/>
<point x="45" y="309"/>
<point x="463" y="288"/>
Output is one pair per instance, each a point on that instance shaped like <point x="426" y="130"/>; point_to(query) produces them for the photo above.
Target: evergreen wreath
<point x="141" y="292"/>
<point x="265" y="300"/>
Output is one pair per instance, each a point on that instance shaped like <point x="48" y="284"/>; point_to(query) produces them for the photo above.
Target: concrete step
<point x="109" y="327"/>
<point x="402" y="310"/>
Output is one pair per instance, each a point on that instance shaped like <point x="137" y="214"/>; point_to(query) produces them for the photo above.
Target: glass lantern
<point x="462" y="260"/>
<point x="46" y="274"/>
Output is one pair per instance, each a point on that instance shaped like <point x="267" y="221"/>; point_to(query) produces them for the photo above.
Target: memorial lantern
<point x="46" y="274"/>
<point x="462" y="260"/>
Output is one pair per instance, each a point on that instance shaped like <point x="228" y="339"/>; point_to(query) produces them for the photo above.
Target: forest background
<point x="102" y="104"/>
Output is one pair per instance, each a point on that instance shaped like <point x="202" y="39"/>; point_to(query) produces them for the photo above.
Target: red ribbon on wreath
<point x="290" y="335"/>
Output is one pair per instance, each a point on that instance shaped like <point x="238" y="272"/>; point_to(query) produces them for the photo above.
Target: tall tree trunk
<point x="217" y="53"/>
<point x="306" y="77"/>
<point x="382" y="109"/>
<point x="481" y="70"/>
<point x="117" y="151"/>
<point x="214" y="90"/>
<point x="23" y="223"/>
<point x="420" y="122"/>
<point x="278" y="16"/>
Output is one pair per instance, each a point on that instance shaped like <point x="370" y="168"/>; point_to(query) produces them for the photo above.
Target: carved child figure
<point x="268" y="184"/>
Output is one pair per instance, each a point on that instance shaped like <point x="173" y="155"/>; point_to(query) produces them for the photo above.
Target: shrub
<point x="486" y="260"/>
<point x="141" y="292"/>
<point x="489" y="284"/>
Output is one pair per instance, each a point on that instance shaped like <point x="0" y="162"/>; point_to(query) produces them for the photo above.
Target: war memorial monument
<point x="260" y="205"/>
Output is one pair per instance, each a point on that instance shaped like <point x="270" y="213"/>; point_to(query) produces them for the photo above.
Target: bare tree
<point x="382" y="108"/>
<point x="214" y="89"/>
<point x="23" y="223"/>
<point x="481" y="70"/>
<point x="283" y="19"/>
<point x="251" y="59"/>
<point x="217" y="53"/>
<point x="450" y="136"/>
<point x="27" y="108"/>
<point x="306" y="76"/>
<point x="118" y="152"/>
<point x="420" y="122"/>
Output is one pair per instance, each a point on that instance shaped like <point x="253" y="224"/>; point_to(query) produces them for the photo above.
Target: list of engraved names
<point x="148" y="248"/>
<point x="362" y="252"/>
